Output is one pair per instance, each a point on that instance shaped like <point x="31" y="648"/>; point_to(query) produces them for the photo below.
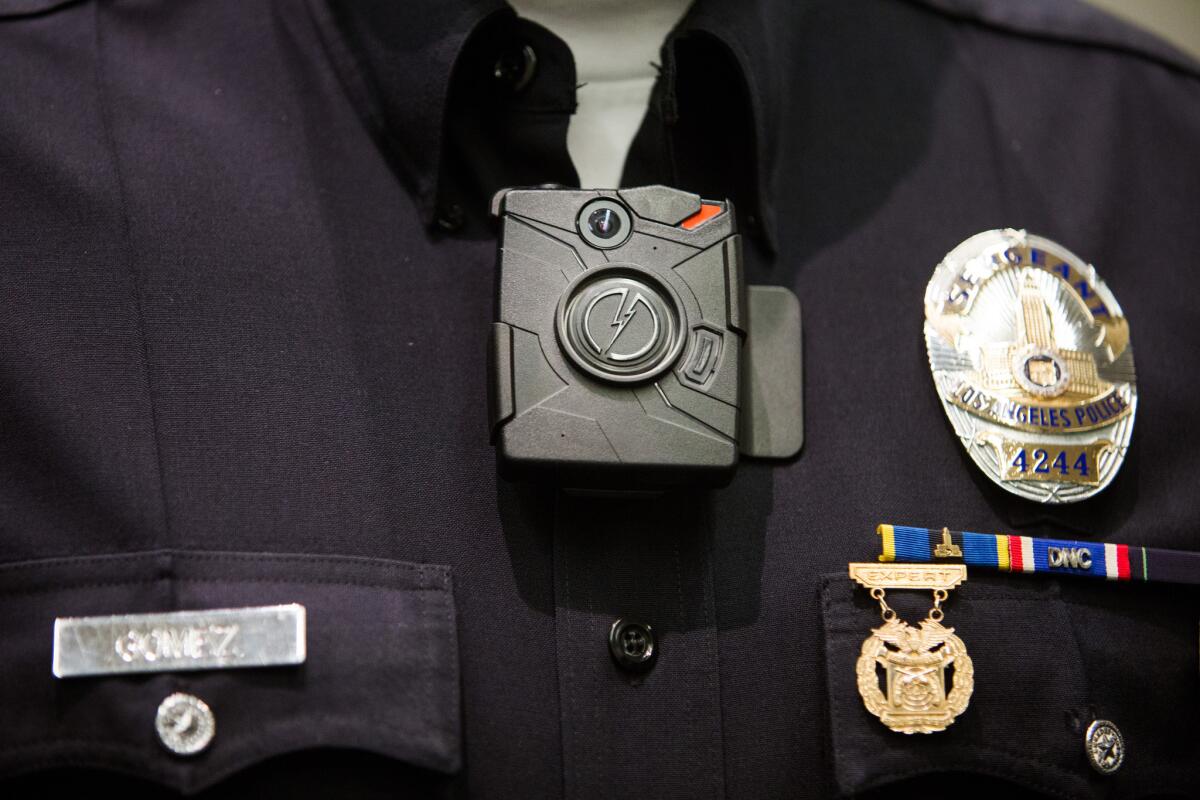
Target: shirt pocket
<point x="1022" y="721"/>
<point x="381" y="672"/>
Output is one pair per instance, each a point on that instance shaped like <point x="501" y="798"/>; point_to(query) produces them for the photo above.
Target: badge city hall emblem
<point x="1031" y="358"/>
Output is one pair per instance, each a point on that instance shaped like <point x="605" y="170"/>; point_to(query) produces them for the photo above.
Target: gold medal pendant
<point x="927" y="676"/>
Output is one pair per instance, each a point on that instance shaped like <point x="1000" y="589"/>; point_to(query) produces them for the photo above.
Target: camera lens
<point x="604" y="223"/>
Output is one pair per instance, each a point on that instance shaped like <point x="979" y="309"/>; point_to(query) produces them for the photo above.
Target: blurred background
<point x="1177" y="21"/>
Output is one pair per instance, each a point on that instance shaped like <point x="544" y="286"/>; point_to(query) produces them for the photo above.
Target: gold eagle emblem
<point x="920" y="696"/>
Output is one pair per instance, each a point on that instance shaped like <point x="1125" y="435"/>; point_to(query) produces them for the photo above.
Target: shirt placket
<point x="631" y="574"/>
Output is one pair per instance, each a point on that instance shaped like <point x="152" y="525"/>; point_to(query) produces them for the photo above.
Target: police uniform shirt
<point x="247" y="279"/>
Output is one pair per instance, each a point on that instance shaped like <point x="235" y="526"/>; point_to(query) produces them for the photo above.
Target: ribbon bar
<point x="1118" y="562"/>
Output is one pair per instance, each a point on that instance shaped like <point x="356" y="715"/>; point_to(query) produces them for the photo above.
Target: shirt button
<point x="632" y="645"/>
<point x="1105" y="746"/>
<point x="515" y="67"/>
<point x="450" y="218"/>
<point x="185" y="724"/>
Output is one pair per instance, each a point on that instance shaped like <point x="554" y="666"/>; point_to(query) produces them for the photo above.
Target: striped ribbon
<point x="1116" y="562"/>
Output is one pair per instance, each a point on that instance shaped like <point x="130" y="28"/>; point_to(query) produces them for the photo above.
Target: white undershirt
<point x="615" y="44"/>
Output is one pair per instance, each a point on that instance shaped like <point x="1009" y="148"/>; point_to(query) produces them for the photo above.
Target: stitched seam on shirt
<point x="840" y="776"/>
<point x="353" y="721"/>
<point x="562" y="617"/>
<point x="452" y="661"/>
<point x="104" y="100"/>
<point x="563" y="700"/>
<point x="716" y="744"/>
<point x="603" y="753"/>
<point x="1181" y="66"/>
<point x="231" y="581"/>
<point x="48" y="751"/>
<point x="427" y="655"/>
<point x="973" y="767"/>
<point x="193" y="555"/>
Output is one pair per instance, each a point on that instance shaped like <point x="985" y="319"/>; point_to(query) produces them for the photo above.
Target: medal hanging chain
<point x="885" y="610"/>
<point x="935" y="613"/>
<point x="888" y="613"/>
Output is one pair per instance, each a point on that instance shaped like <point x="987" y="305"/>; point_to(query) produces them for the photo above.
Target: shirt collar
<point x="397" y="72"/>
<point x="750" y="32"/>
<point x="397" y="66"/>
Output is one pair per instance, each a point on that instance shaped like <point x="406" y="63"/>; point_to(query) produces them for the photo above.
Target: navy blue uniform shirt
<point x="246" y="281"/>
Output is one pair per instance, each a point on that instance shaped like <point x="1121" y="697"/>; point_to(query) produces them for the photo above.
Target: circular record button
<point x="620" y="323"/>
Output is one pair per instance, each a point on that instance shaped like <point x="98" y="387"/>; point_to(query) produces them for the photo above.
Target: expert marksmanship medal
<point x="1031" y="358"/>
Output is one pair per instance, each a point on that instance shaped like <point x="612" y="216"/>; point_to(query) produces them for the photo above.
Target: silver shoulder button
<point x="185" y="724"/>
<point x="1105" y="746"/>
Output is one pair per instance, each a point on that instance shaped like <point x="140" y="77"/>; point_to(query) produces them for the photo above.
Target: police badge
<point x="1031" y="358"/>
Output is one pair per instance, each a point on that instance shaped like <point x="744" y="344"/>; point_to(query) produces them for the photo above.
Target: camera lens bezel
<point x="624" y="223"/>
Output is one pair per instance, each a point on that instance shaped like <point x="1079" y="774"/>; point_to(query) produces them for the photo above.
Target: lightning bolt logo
<point x="623" y="315"/>
<point x="626" y="309"/>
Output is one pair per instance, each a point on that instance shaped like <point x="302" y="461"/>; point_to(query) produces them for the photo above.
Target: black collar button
<point x="632" y="645"/>
<point x="514" y="68"/>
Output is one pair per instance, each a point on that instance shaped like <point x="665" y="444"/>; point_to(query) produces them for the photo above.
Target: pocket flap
<point x="380" y="674"/>
<point x="22" y="8"/>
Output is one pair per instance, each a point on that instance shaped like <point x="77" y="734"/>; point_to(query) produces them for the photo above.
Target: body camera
<point x="617" y="357"/>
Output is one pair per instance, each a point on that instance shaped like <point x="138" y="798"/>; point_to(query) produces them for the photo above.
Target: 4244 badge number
<point x="1074" y="463"/>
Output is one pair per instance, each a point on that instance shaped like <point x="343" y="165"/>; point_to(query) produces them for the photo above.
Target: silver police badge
<point x="1031" y="358"/>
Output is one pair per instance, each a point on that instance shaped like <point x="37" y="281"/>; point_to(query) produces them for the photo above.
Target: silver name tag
<point x="222" y="638"/>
